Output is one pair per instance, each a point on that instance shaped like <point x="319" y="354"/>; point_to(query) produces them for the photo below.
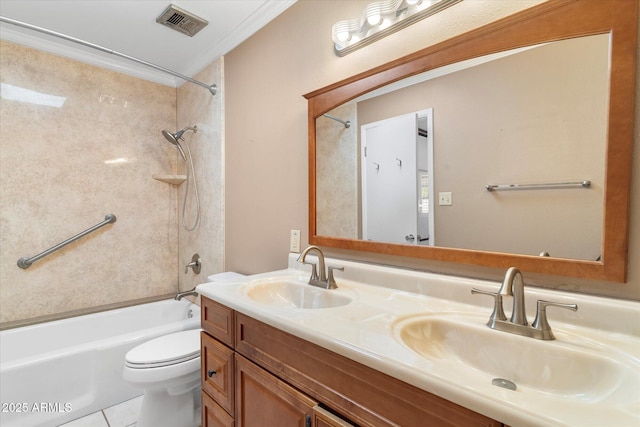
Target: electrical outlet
<point x="444" y="198"/>
<point x="294" y="243"/>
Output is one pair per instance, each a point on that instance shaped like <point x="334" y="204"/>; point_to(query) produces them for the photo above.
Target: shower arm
<point x="212" y="88"/>
<point x="184" y="129"/>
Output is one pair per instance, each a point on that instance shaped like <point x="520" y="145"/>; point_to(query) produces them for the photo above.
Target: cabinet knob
<point x="211" y="373"/>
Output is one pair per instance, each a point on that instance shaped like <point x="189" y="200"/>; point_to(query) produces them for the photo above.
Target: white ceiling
<point x="129" y="27"/>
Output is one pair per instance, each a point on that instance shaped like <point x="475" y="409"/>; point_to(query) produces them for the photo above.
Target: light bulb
<point x="374" y="19"/>
<point x="343" y="36"/>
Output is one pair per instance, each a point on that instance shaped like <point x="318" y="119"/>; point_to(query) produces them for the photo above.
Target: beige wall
<point x="266" y="131"/>
<point x="196" y="106"/>
<point x="56" y="179"/>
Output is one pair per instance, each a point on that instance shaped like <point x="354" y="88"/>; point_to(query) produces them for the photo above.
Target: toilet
<point x="167" y="368"/>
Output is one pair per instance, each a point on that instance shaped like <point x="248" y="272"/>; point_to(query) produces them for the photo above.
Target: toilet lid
<point x="165" y="350"/>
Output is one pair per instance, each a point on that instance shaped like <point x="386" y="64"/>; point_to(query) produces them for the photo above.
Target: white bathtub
<point x="54" y="372"/>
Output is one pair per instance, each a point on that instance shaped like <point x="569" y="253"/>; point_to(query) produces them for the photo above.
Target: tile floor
<point x="124" y="414"/>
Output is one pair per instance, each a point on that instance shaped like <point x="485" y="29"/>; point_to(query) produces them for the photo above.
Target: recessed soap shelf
<point x="171" y="179"/>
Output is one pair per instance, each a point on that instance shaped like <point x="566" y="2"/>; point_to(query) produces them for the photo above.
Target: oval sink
<point x="576" y="369"/>
<point x="296" y="294"/>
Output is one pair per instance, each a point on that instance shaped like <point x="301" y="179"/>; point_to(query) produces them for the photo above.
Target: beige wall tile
<point x="196" y="106"/>
<point x="62" y="169"/>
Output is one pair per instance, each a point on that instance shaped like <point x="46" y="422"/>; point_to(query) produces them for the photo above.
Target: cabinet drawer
<point x="218" y="321"/>
<point x="218" y="372"/>
<point x="213" y="415"/>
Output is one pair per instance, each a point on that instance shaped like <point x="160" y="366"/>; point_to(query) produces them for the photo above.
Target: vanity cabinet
<point x="283" y="380"/>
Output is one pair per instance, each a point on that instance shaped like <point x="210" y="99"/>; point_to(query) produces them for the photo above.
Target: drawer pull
<point x="211" y="373"/>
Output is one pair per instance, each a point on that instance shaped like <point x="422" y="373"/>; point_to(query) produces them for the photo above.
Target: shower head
<point x="175" y="138"/>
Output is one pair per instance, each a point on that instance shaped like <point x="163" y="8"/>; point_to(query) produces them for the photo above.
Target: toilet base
<point x="159" y="409"/>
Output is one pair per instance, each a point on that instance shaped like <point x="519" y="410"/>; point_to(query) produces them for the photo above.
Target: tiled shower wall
<point x="63" y="168"/>
<point x="337" y="162"/>
<point x="198" y="107"/>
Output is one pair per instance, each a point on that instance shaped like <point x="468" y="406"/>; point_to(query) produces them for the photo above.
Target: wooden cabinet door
<point x="264" y="400"/>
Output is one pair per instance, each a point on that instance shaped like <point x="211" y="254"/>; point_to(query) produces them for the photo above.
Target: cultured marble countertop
<point x="365" y="331"/>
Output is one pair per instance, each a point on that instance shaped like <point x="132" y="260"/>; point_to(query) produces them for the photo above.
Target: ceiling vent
<point x="181" y="20"/>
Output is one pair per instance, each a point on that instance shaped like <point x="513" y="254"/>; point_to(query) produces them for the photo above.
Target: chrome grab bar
<point x="25" y="262"/>
<point x="551" y="185"/>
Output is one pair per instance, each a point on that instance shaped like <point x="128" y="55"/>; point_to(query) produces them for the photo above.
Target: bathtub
<point x="58" y="371"/>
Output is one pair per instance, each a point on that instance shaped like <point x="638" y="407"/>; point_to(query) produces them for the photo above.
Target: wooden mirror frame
<point x="550" y="21"/>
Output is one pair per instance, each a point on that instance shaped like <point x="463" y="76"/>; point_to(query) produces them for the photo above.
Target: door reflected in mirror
<point x="395" y="158"/>
<point x="533" y="115"/>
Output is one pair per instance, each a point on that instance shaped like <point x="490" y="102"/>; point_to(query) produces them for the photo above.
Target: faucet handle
<point x="541" y="323"/>
<point x="314" y="271"/>
<point x="498" y="310"/>
<point x="195" y="264"/>
<point x="331" y="282"/>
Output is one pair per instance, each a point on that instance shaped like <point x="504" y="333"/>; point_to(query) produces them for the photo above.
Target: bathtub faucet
<point x="181" y="295"/>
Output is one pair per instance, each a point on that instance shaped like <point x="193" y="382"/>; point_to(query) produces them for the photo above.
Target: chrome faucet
<point x="181" y="295"/>
<point x="513" y="285"/>
<point x="321" y="278"/>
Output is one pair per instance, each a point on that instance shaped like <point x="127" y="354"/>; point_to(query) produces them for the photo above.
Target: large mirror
<point x="509" y="145"/>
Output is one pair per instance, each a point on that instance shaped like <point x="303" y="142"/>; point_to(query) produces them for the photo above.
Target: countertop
<point x="366" y="331"/>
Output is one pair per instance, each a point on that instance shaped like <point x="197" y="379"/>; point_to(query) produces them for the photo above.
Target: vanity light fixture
<point x="380" y="19"/>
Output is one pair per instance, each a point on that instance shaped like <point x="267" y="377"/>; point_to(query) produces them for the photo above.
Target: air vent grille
<point x="181" y="20"/>
<point x="175" y="19"/>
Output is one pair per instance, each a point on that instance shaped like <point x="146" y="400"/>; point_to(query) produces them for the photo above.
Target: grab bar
<point x="550" y="185"/>
<point x="25" y="262"/>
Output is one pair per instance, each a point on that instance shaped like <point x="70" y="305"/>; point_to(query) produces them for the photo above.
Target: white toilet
<point x="167" y="368"/>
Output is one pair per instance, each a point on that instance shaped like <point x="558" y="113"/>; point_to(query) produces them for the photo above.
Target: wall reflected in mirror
<point x="535" y="115"/>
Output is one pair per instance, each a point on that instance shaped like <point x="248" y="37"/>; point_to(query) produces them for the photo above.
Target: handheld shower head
<point x="175" y="138"/>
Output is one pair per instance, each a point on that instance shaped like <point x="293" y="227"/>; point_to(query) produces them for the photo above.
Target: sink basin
<point x="567" y="367"/>
<point x="296" y="294"/>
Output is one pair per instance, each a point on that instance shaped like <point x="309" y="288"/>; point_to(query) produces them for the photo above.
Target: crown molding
<point x="267" y="12"/>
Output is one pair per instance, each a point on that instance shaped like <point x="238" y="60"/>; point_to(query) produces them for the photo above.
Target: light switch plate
<point x="445" y="198"/>
<point x="294" y="243"/>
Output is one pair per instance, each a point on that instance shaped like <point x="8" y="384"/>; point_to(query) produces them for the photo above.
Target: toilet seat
<point x="166" y="350"/>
